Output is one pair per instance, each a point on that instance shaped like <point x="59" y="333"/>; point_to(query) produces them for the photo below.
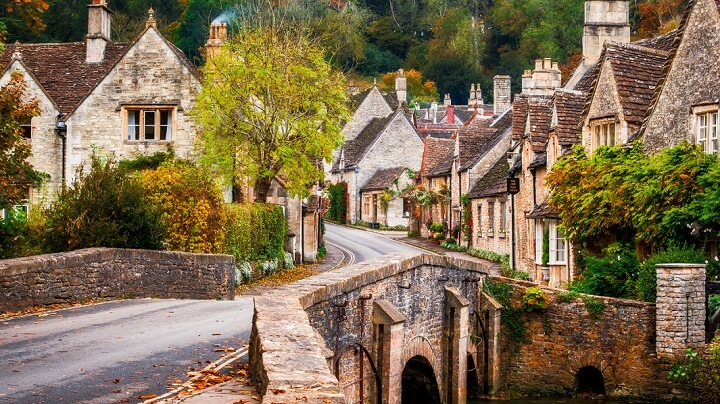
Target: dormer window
<point x="706" y="128"/>
<point x="149" y="123"/>
<point x="603" y="132"/>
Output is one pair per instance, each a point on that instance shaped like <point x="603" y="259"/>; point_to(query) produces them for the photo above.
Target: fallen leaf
<point x="116" y="381"/>
<point x="278" y="391"/>
<point x="147" y="396"/>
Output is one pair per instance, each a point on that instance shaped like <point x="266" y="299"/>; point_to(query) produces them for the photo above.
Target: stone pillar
<point x="501" y="89"/>
<point x="98" y="36"/>
<point x="492" y="339"/>
<point x="680" y="308"/>
<point x="605" y="20"/>
<point x="389" y="322"/>
<point x="457" y="338"/>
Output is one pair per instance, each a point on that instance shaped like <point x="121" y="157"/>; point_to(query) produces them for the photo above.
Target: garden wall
<point x="617" y="339"/>
<point x="111" y="273"/>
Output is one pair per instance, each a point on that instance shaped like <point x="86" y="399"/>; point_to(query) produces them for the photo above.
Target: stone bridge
<point x="417" y="329"/>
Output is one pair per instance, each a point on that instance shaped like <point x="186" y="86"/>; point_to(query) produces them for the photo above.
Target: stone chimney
<point x="218" y="36"/>
<point x="543" y="80"/>
<point x="353" y="89"/>
<point x="450" y="114"/>
<point x="433" y="111"/>
<point x="501" y="94"/>
<point x="98" y="36"/>
<point x="605" y="20"/>
<point x="447" y="101"/>
<point x="401" y="86"/>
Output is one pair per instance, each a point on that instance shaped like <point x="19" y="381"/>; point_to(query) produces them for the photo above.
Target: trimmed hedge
<point x="255" y="232"/>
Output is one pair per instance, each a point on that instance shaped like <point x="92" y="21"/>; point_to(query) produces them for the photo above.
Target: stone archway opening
<point x="419" y="384"/>
<point x="590" y="381"/>
<point x="473" y="383"/>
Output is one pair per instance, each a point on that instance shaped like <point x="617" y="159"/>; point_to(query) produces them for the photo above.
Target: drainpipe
<point x="302" y="233"/>
<point x="61" y="132"/>
<point x="535" y="204"/>
<point x="355" y="194"/>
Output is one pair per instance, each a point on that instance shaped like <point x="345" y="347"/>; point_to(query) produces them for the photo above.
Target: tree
<point x="16" y="173"/>
<point x="419" y="90"/>
<point x="271" y="105"/>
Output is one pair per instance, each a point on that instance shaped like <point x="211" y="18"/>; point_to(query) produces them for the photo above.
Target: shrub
<point x="439" y="236"/>
<point x="700" y="372"/>
<point x="288" y="261"/>
<point x="647" y="277"/>
<point x="255" y="232"/>
<point x="535" y="300"/>
<point x="243" y="273"/>
<point x="101" y="208"/>
<point x="337" y="194"/>
<point x="450" y="240"/>
<point x="610" y="274"/>
<point x="192" y="206"/>
<point x="144" y="162"/>
<point x="18" y="234"/>
<point x="511" y="317"/>
<point x="321" y="251"/>
<point x="437" y="228"/>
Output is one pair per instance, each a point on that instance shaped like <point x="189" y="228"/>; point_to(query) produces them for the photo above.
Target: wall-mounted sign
<point x="513" y="185"/>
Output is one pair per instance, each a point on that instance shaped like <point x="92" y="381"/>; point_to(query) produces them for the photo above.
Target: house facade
<point x="121" y="99"/>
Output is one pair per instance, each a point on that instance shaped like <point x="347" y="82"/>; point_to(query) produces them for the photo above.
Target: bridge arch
<point x="419" y="382"/>
<point x="590" y="380"/>
<point x="420" y="346"/>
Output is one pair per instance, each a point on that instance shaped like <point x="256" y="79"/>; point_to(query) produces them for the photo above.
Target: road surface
<point x="115" y="351"/>
<point x="360" y="245"/>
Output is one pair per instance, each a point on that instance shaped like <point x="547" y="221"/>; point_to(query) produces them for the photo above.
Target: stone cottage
<point x="434" y="180"/>
<point x="124" y="99"/>
<point x="385" y="198"/>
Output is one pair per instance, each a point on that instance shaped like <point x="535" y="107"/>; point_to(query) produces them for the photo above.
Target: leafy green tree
<point x="16" y="173"/>
<point x="271" y="105"/>
<point x="419" y="90"/>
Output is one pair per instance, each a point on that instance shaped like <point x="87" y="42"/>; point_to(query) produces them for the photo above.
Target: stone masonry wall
<point x="619" y="342"/>
<point x="374" y="106"/>
<point x="312" y="320"/>
<point x="112" y="272"/>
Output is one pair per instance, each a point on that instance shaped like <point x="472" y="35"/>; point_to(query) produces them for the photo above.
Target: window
<point x="149" y="124"/>
<point x="406" y="207"/>
<point x="26" y="129"/>
<point x="604" y="133"/>
<point x="479" y="219"/>
<point x="503" y="216"/>
<point x="707" y="130"/>
<point x="491" y="215"/>
<point x="557" y="246"/>
<point x="366" y="206"/>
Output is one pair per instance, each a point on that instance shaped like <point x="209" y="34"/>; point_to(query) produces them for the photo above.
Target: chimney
<point x="218" y="35"/>
<point x="353" y="89"/>
<point x="501" y="94"/>
<point x="472" y="99"/>
<point x="450" y="114"/>
<point x="98" y="36"/>
<point x="605" y="20"/>
<point x="433" y="111"/>
<point x="543" y="80"/>
<point x="478" y="96"/>
<point x="401" y="86"/>
<point x="447" y="101"/>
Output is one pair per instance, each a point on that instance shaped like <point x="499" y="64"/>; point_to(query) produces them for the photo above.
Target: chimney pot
<point x="450" y="114"/>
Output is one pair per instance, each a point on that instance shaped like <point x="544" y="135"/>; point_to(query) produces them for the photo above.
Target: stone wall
<point x="373" y="106"/>
<point x="619" y="342"/>
<point x="318" y="319"/>
<point x="113" y="273"/>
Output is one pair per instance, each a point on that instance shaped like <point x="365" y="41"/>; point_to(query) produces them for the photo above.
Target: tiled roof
<point x="493" y="134"/>
<point x="391" y="99"/>
<point x="540" y="113"/>
<point x="569" y="108"/>
<point x="472" y="135"/>
<point x="543" y="211"/>
<point x="61" y="70"/>
<point x="437" y="157"/>
<point x="441" y="132"/>
<point x="519" y="116"/>
<point x="493" y="183"/>
<point x="355" y="149"/>
<point x="663" y="42"/>
<point x="586" y="82"/>
<point x="382" y="179"/>
<point x="637" y="71"/>
<point x="539" y="161"/>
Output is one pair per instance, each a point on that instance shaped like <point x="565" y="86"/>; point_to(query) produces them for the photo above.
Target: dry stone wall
<point x="111" y="273"/>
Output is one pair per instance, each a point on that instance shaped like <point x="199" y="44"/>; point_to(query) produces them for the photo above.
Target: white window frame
<point x="705" y="120"/>
<point x="539" y="230"/>
<point x="503" y="215"/>
<point x="558" y="246"/>
<point x="145" y="113"/>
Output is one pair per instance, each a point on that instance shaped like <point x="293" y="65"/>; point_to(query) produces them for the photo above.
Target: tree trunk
<point x="262" y="187"/>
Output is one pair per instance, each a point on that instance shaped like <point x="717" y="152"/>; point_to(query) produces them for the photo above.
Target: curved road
<point x="116" y="351"/>
<point x="360" y="245"/>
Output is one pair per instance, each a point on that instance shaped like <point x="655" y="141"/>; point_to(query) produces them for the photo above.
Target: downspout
<point x="535" y="204"/>
<point x="355" y="195"/>
<point x="303" y="209"/>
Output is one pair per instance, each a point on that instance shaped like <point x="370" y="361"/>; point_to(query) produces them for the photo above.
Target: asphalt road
<point x="361" y="245"/>
<point x="115" y="351"/>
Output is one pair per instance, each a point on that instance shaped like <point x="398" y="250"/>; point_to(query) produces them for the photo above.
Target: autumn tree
<point x="16" y="173"/>
<point x="271" y="105"/>
<point x="419" y="90"/>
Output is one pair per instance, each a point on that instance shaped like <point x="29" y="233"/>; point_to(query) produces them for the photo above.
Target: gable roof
<point x="471" y="136"/>
<point x="569" y="108"/>
<point x="519" y="116"/>
<point x="493" y="134"/>
<point x="382" y="179"/>
<point x="540" y="118"/>
<point x="61" y="69"/>
<point x="437" y="157"/>
<point x="493" y="183"/>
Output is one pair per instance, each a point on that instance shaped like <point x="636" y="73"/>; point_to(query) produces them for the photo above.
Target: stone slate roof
<point x="358" y="98"/>
<point x="437" y="157"/>
<point x="440" y="132"/>
<point x="61" y="70"/>
<point x="519" y="116"/>
<point x="391" y="99"/>
<point x="637" y="71"/>
<point x="539" y="161"/>
<point x="355" y="149"/>
<point x="472" y="136"/>
<point x="540" y="113"/>
<point x="569" y="108"/>
<point x="493" y="183"/>
<point x="382" y="179"/>
<point x="587" y="81"/>
<point x="493" y="134"/>
<point x="663" y="42"/>
<point x="543" y="211"/>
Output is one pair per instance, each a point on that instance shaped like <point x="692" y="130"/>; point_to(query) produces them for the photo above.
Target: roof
<point x="61" y="69"/>
<point x="437" y="157"/>
<point x="472" y="136"/>
<point x="493" y="134"/>
<point x="587" y="81"/>
<point x="539" y="161"/>
<point x="540" y="114"/>
<point x="663" y="42"/>
<point x="493" y="183"/>
<point x="569" y="108"/>
<point x="519" y="116"/>
<point x="382" y="179"/>
<point x="543" y="211"/>
<point x="637" y="71"/>
<point x="441" y="131"/>
<point x="355" y="149"/>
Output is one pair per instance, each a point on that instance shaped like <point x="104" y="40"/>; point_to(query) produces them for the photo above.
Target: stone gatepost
<point x="389" y="334"/>
<point x="456" y="330"/>
<point x="680" y="308"/>
<point x="492" y="340"/>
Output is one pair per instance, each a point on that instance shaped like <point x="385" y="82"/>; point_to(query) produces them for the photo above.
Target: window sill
<point x="148" y="142"/>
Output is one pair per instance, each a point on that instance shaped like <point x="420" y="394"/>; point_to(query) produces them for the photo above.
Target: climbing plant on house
<point x="337" y="209"/>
